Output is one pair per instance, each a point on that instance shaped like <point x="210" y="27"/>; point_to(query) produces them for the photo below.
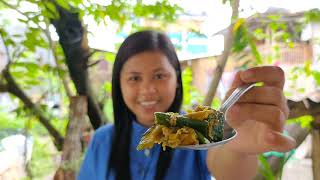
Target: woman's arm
<point x="225" y="164"/>
<point x="259" y="118"/>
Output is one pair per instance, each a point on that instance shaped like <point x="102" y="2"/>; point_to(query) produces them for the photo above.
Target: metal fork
<point x="229" y="132"/>
<point x="235" y="96"/>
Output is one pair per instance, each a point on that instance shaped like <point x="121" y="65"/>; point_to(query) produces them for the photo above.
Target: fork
<point x="235" y="96"/>
<point x="230" y="133"/>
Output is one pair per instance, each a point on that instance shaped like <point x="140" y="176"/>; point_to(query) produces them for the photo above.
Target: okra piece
<point x="181" y="121"/>
<point x="200" y="137"/>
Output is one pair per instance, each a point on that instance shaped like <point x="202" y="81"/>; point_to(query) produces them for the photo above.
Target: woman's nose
<point x="148" y="87"/>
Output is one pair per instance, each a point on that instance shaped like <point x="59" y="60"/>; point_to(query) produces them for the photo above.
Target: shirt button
<point x="147" y="152"/>
<point x="141" y="172"/>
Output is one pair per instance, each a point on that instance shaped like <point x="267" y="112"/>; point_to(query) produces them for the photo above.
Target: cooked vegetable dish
<point x="199" y="126"/>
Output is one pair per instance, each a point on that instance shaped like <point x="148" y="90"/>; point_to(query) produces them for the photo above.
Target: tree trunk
<point x="73" y="39"/>
<point x="223" y="58"/>
<point x="71" y="154"/>
<point x="315" y="132"/>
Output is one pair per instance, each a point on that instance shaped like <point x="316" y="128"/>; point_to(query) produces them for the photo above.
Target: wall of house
<point x="295" y="55"/>
<point x="202" y="69"/>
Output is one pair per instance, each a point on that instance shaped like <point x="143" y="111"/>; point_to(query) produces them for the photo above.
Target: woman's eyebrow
<point x="133" y="72"/>
<point x="158" y="69"/>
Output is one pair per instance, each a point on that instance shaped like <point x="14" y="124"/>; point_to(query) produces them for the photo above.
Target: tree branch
<point x="73" y="39"/>
<point x="3" y="88"/>
<point x="223" y="58"/>
<point x="55" y="56"/>
<point x="94" y="63"/>
<point x="14" y="89"/>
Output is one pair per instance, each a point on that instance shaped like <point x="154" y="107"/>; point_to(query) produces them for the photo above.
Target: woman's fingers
<point x="267" y="95"/>
<point x="279" y="142"/>
<point x="270" y="115"/>
<point x="269" y="75"/>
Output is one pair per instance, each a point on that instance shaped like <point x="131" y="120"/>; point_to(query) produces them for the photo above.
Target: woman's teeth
<point x="148" y="103"/>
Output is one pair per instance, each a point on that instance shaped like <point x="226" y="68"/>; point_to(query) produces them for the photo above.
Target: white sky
<point x="218" y="17"/>
<point x="219" y="14"/>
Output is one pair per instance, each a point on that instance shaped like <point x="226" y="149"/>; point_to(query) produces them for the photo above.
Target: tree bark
<point x="14" y="89"/>
<point x="73" y="39"/>
<point x="315" y="155"/>
<point x="72" y="148"/>
<point x="3" y="88"/>
<point x="223" y="58"/>
<point x="55" y="57"/>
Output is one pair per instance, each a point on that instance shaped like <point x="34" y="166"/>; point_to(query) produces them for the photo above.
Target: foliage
<point x="312" y="16"/>
<point x="304" y="121"/>
<point x="190" y="95"/>
<point x="37" y="62"/>
<point x="44" y="158"/>
<point x="265" y="168"/>
<point x="9" y="121"/>
<point x="42" y="161"/>
<point x="246" y="39"/>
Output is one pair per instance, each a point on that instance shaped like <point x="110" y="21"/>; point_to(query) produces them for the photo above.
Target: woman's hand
<point x="259" y="116"/>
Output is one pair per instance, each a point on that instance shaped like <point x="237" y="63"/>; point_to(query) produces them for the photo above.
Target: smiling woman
<point x="148" y="84"/>
<point x="146" y="79"/>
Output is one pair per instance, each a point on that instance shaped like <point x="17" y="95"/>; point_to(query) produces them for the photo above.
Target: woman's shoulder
<point x="103" y="134"/>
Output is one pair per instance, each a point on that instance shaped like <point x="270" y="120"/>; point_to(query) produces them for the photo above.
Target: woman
<point x="147" y="78"/>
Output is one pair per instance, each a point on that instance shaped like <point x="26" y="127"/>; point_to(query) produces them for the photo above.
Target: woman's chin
<point x="147" y="121"/>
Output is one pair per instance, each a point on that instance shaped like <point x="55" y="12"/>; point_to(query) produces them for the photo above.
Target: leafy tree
<point x="72" y="54"/>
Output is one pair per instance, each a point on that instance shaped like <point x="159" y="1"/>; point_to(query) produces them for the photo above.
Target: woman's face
<point x="148" y="84"/>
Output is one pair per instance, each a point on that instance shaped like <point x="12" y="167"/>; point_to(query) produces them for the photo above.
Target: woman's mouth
<point x="149" y="106"/>
<point x="148" y="103"/>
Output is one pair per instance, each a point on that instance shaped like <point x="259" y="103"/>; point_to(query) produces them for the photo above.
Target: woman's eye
<point x="134" y="78"/>
<point x="159" y="76"/>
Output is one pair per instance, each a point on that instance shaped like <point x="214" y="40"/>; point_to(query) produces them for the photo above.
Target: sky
<point x="219" y="14"/>
<point x="218" y="18"/>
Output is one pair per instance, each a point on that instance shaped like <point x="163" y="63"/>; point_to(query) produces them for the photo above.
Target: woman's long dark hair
<point x="134" y="44"/>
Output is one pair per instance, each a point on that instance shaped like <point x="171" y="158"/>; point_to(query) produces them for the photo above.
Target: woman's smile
<point x="148" y="90"/>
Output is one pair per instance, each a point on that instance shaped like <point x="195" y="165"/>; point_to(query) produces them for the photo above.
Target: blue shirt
<point x="185" y="164"/>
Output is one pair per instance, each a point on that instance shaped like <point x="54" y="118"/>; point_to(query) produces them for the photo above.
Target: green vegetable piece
<point x="181" y="121"/>
<point x="200" y="137"/>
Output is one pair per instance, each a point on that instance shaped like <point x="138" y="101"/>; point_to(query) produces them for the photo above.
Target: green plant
<point x="191" y="96"/>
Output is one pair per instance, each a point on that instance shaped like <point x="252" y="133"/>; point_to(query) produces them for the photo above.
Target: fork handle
<point x="234" y="97"/>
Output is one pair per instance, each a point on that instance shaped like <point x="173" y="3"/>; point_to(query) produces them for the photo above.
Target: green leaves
<point x="190" y="93"/>
<point x="33" y="39"/>
<point x="241" y="39"/>
<point x="304" y="121"/>
<point x="316" y="76"/>
<point x="244" y="38"/>
<point x="65" y="4"/>
<point x="312" y="16"/>
<point x="265" y="168"/>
